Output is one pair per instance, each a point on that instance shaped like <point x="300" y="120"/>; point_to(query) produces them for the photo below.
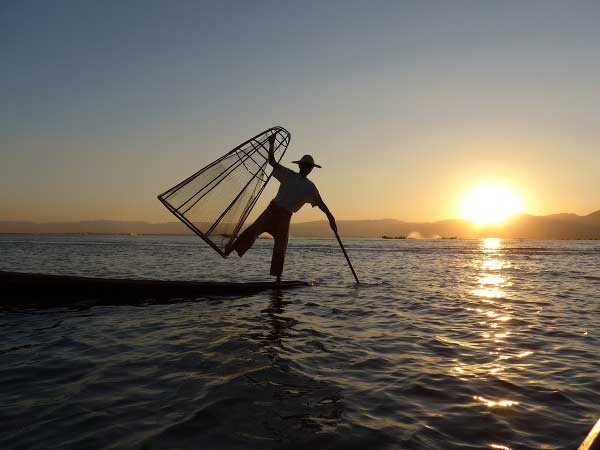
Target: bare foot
<point x="228" y="249"/>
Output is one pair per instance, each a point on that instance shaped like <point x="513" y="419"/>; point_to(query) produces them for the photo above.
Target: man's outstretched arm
<point x="323" y="207"/>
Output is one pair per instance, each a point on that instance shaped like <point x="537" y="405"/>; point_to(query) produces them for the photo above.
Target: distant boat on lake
<point x="393" y="237"/>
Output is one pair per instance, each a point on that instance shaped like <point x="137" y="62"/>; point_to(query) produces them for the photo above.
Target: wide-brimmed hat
<point x="308" y="160"/>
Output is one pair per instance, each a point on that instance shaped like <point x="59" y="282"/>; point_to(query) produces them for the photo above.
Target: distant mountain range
<point x="554" y="226"/>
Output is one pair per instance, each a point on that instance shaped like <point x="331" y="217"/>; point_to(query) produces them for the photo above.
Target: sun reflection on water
<point x="491" y="284"/>
<point x="499" y="447"/>
<point x="492" y="264"/>
<point x="489" y="292"/>
<point x="495" y="319"/>
<point x="492" y="243"/>
<point x="504" y="403"/>
<point x="492" y="279"/>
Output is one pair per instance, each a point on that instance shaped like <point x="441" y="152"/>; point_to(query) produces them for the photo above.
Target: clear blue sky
<point x="405" y="104"/>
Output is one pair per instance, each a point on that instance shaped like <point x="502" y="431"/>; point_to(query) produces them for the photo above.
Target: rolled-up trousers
<point x="274" y="220"/>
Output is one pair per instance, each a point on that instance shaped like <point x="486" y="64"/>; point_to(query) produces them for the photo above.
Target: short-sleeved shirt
<point x="294" y="190"/>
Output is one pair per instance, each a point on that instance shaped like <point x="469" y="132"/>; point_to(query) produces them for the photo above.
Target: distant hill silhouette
<point x="556" y="226"/>
<point x="553" y="226"/>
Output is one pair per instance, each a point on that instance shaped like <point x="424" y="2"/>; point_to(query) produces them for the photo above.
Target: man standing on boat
<point x="294" y="191"/>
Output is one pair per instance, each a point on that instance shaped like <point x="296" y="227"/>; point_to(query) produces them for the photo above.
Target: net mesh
<point x="215" y="201"/>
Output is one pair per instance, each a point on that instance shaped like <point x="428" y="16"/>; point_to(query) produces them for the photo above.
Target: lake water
<point x="448" y="344"/>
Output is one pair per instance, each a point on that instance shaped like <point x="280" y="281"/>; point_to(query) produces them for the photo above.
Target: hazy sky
<point x="405" y="104"/>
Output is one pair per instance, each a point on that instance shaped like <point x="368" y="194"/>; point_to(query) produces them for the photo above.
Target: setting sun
<point x="491" y="204"/>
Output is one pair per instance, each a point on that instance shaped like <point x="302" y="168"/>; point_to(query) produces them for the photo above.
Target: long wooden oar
<point x="592" y="440"/>
<point x="347" y="258"/>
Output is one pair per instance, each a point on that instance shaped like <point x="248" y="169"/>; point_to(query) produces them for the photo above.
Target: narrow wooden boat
<point x="41" y="290"/>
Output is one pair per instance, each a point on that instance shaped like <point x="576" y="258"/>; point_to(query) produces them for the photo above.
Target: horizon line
<point x="307" y="221"/>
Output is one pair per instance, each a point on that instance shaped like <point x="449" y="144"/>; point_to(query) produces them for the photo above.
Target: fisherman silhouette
<point x="294" y="191"/>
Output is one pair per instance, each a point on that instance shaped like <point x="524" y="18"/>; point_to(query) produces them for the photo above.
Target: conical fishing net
<point x="215" y="201"/>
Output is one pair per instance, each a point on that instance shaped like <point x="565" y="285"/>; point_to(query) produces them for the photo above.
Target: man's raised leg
<point x="246" y="239"/>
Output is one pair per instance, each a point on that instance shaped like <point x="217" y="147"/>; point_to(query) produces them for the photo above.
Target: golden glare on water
<point x="499" y="447"/>
<point x="490" y="285"/>
<point x="491" y="204"/>
<point x="495" y="403"/>
<point x="492" y="243"/>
